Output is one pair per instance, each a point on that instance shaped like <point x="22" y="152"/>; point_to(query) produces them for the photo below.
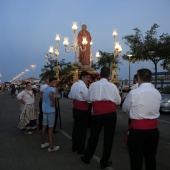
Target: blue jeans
<point x="49" y="119"/>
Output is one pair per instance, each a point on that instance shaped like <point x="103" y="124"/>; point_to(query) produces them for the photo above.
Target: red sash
<point x="103" y="107"/>
<point x="80" y="105"/>
<point x="144" y="124"/>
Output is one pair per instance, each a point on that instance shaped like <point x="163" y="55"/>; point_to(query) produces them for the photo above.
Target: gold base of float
<point x="76" y="74"/>
<point x="57" y="75"/>
<point x="91" y="70"/>
<point x="115" y="76"/>
<point x="78" y="71"/>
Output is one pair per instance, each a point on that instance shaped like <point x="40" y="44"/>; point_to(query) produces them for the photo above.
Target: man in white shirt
<point x="143" y="104"/>
<point x="125" y="89"/>
<point x="104" y="96"/>
<point x="79" y="94"/>
<point x="135" y="81"/>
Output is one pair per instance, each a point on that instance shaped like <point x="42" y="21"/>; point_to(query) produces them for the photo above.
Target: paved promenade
<point x="22" y="152"/>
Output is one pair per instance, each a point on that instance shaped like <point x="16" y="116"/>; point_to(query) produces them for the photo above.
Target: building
<point x="32" y="80"/>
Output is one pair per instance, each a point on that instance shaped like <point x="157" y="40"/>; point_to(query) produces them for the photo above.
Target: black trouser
<point x="142" y="144"/>
<point x="108" y="121"/>
<point x="79" y="129"/>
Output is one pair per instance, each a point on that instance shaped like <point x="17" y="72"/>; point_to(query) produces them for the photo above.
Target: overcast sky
<point x="28" y="28"/>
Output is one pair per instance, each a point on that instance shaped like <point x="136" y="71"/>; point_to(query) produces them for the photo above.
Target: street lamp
<point x="129" y="55"/>
<point x="117" y="50"/>
<point x="33" y="66"/>
<point x="56" y="53"/>
<point x="75" y="47"/>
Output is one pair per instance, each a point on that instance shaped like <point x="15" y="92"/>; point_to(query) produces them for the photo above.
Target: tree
<point x="67" y="69"/>
<point x="148" y="47"/>
<point x="165" y="51"/>
<point x="62" y="63"/>
<point x="48" y="71"/>
<point x="107" y="59"/>
<point x="94" y="65"/>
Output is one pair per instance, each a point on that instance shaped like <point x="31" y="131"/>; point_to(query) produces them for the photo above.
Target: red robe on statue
<point x="84" y="56"/>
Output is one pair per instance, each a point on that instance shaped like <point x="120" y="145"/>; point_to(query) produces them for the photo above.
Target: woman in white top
<point x="28" y="117"/>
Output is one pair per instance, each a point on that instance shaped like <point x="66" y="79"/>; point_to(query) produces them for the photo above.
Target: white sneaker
<point x="28" y="133"/>
<point x="44" y="145"/>
<point x="55" y="148"/>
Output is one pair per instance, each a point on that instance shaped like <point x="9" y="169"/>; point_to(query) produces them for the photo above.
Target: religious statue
<point x="84" y="56"/>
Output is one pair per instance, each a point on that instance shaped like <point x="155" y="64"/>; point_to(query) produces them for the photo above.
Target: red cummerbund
<point x="103" y="107"/>
<point x="80" y="105"/>
<point x="144" y="124"/>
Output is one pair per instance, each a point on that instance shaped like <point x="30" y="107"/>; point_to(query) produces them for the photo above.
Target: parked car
<point x="165" y="103"/>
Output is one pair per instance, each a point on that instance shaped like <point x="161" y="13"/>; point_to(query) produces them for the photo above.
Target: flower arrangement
<point x="66" y="81"/>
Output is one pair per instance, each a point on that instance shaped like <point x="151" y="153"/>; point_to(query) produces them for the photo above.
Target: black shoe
<point x="104" y="165"/>
<point x="85" y="160"/>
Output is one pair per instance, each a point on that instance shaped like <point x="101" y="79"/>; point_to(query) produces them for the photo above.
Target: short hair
<point x="104" y="72"/>
<point x="84" y="25"/>
<point x="83" y="74"/>
<point x="135" y="77"/>
<point x="145" y="75"/>
<point x="27" y="83"/>
<point x="51" y="79"/>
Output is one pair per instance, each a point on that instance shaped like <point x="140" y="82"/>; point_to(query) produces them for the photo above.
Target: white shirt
<point x="34" y="86"/>
<point x="125" y="86"/>
<point x="104" y="90"/>
<point x="43" y="87"/>
<point x="143" y="102"/>
<point x="79" y="91"/>
<point x="27" y="96"/>
<point x="134" y="86"/>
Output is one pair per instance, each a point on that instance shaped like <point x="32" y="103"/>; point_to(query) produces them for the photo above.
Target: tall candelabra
<point x="75" y="47"/>
<point x="95" y="58"/>
<point x="56" y="53"/>
<point x="117" y="50"/>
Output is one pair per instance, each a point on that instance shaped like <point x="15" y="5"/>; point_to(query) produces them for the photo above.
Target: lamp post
<point x="75" y="47"/>
<point x="117" y="50"/>
<point x="56" y="53"/>
<point x="33" y="66"/>
<point x="129" y="55"/>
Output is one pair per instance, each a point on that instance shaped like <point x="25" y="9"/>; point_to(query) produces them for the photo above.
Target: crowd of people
<point x="94" y="106"/>
<point x="101" y="100"/>
<point x="97" y="103"/>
